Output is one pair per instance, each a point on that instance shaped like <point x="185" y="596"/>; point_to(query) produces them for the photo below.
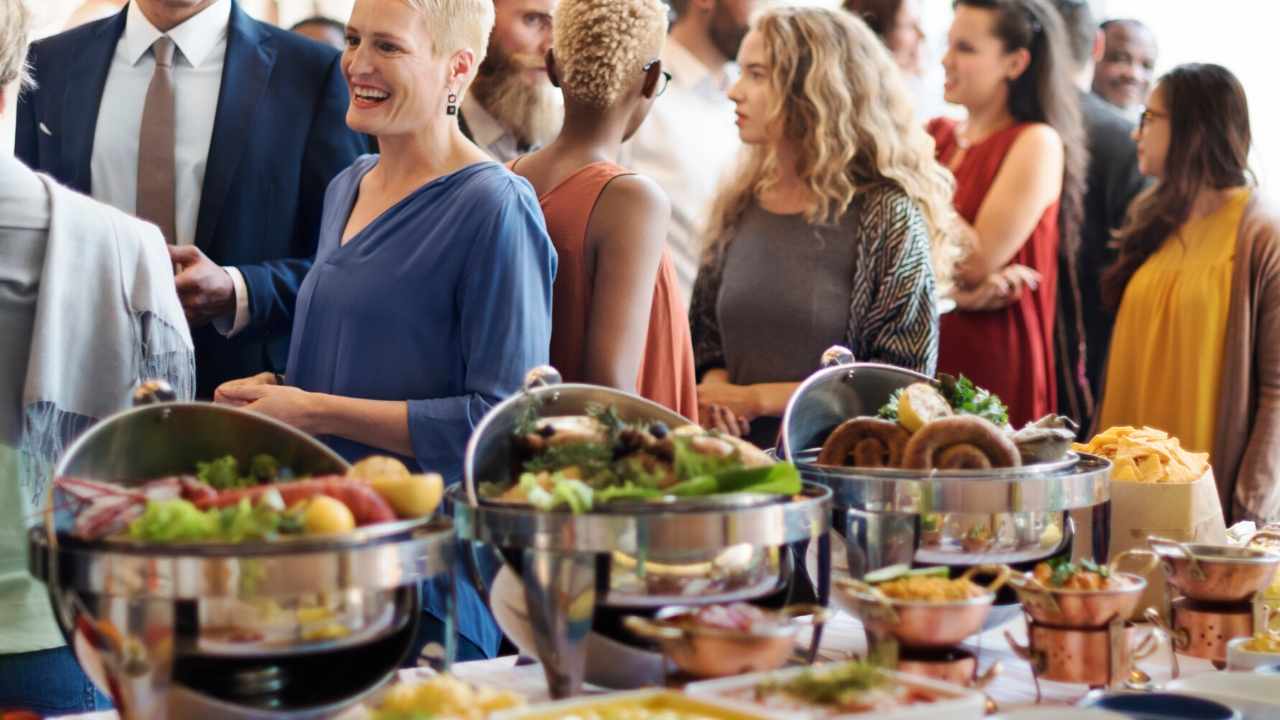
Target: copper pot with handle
<point x="1066" y="607"/>
<point x="1089" y="656"/>
<point x="1215" y="573"/>
<point x="921" y="623"/>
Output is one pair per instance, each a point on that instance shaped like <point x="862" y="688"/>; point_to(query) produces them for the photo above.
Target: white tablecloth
<point x="842" y="638"/>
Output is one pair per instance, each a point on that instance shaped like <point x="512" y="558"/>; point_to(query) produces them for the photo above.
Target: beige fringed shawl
<point x="107" y="316"/>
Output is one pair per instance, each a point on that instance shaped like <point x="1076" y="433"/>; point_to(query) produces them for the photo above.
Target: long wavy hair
<point x="1209" y="140"/>
<point x="1045" y="93"/>
<point x="844" y="109"/>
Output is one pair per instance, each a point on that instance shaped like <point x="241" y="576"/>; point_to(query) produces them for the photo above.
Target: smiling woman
<point x="430" y="295"/>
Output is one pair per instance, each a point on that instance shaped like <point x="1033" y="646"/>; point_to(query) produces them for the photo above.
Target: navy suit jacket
<point x="279" y="137"/>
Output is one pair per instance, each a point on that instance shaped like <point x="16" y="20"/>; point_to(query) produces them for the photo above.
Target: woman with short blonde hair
<point x="834" y="229"/>
<point x="430" y="295"/>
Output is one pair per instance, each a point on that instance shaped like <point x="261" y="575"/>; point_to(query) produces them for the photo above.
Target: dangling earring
<point x="452" y="109"/>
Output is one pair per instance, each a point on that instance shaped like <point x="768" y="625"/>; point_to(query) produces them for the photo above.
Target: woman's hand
<point x="999" y="289"/>
<point x="738" y="400"/>
<point x="290" y="405"/>
<point x="721" y="419"/>
<point x="225" y="392"/>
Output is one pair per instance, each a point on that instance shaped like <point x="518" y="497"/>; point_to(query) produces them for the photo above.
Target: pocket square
<point x="45" y="129"/>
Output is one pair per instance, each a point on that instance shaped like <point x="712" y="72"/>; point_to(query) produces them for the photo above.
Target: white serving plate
<point x="1066" y="713"/>
<point x="711" y="707"/>
<point x="955" y="703"/>
<point x="1256" y="695"/>
<point x="1240" y="659"/>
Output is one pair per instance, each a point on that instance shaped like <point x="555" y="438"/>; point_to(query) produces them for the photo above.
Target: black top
<point x="1113" y="181"/>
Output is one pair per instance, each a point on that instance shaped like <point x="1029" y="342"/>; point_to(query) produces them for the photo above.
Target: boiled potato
<point x="376" y="466"/>
<point x="410" y="495"/>
<point x="324" y="515"/>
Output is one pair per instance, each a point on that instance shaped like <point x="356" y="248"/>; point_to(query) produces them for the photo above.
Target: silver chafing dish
<point x="642" y="555"/>
<point x="880" y="515"/>
<point x="296" y="628"/>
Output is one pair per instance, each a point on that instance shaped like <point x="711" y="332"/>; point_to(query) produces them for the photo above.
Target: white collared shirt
<point x="201" y="44"/>
<point x="686" y="145"/>
<point x="488" y="133"/>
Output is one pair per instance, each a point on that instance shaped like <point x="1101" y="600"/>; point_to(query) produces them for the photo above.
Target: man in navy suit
<point x="224" y="132"/>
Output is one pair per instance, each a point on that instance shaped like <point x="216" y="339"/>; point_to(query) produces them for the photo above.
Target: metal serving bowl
<point x="641" y="555"/>
<point x="1070" y="608"/>
<point x="937" y="517"/>
<point x="710" y="652"/>
<point x="253" y="629"/>
<point x="1215" y="573"/>
<point x="920" y="623"/>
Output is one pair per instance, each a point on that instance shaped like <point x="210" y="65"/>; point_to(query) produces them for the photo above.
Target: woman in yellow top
<point x="1196" y="346"/>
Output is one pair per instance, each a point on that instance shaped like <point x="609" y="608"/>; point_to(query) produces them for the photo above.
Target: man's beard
<point x="532" y="112"/>
<point x="726" y="33"/>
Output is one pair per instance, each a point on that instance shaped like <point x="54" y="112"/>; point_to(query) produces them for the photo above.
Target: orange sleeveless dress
<point x="666" y="369"/>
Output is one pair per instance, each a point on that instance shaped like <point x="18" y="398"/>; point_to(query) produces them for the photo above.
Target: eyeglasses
<point x="1147" y="116"/>
<point x="666" y="77"/>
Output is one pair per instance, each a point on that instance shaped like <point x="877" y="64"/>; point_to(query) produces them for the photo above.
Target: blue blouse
<point x="443" y="300"/>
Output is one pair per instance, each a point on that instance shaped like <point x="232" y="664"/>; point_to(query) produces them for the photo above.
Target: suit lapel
<point x="82" y="97"/>
<point x="245" y="73"/>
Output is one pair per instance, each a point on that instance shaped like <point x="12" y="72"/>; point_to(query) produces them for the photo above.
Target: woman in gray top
<point x="836" y="228"/>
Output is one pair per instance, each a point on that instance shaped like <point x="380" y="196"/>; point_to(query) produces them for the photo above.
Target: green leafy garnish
<point x="838" y="685"/>
<point x="590" y="458"/>
<point x="969" y="399"/>
<point x="224" y="473"/>
<point x="692" y="464"/>
<point x="889" y="411"/>
<point x="181" y="521"/>
<point x="1062" y="569"/>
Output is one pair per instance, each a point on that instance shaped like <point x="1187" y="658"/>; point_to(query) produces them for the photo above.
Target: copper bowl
<point x="1203" y="631"/>
<point x="1084" y="656"/>
<point x="920" y="623"/>
<point x="1215" y="573"/>
<point x="712" y="652"/>
<point x="1070" y="608"/>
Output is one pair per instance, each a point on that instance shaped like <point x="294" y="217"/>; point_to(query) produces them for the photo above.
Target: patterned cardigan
<point x="893" y="312"/>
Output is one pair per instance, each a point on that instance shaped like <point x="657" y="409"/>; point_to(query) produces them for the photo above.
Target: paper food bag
<point x="1186" y="512"/>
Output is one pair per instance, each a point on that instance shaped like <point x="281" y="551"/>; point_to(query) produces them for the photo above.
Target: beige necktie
<point x="156" y="173"/>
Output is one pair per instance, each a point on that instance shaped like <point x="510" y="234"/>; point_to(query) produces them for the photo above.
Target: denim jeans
<point x="48" y="682"/>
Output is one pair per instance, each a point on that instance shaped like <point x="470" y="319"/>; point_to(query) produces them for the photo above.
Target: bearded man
<point x="511" y="107"/>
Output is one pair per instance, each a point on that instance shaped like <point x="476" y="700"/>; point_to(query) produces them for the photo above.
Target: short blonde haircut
<point x="602" y="45"/>
<point x="455" y="25"/>
<point x="15" y="25"/>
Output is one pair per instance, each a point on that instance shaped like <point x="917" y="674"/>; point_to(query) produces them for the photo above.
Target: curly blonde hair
<point x="601" y="45"/>
<point x="455" y="25"/>
<point x="841" y="103"/>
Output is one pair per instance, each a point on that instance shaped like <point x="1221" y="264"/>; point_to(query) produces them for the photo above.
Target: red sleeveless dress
<point x="666" y="369"/>
<point x="1008" y="351"/>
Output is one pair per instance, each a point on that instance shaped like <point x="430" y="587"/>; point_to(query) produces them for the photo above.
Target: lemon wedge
<point x="920" y="404"/>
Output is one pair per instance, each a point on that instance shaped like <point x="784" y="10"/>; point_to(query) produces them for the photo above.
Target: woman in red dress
<point x="1019" y="161"/>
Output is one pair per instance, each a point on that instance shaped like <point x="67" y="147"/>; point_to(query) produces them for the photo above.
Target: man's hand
<point x="205" y="289"/>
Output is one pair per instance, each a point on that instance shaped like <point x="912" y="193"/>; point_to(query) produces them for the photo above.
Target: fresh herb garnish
<point x="969" y="399"/>
<point x="889" y="411"/>
<point x="224" y="473"/>
<point x="1063" y="569"/>
<point x="836" y="686"/>
<point x="527" y="422"/>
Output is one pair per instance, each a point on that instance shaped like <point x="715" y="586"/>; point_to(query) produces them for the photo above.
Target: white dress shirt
<point x="686" y="145"/>
<point x="488" y="133"/>
<point x="201" y="44"/>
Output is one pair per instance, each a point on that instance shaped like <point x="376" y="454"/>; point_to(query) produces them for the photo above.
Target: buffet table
<point x="1013" y="688"/>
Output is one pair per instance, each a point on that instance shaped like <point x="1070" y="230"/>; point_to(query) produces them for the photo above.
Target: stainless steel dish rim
<point x="663" y="505"/>
<point x="780" y="629"/>
<point x="1214" y="554"/>
<point x="376" y="566"/>
<point x="1058" y="467"/>
<point x="1138" y="587"/>
<point x="482" y="429"/>
<point x="823" y="375"/>
<point x="375" y="534"/>
<point x="107" y="426"/>
<point x="630" y="533"/>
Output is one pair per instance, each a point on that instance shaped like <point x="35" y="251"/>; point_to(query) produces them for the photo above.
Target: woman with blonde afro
<point x="617" y="315"/>
<point x="835" y="228"/>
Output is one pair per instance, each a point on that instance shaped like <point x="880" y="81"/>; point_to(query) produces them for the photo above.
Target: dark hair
<point x="1209" y="141"/>
<point x="1123" y="21"/>
<point x="879" y="15"/>
<point x="320" y="20"/>
<point x="1081" y="28"/>
<point x="1045" y="93"/>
